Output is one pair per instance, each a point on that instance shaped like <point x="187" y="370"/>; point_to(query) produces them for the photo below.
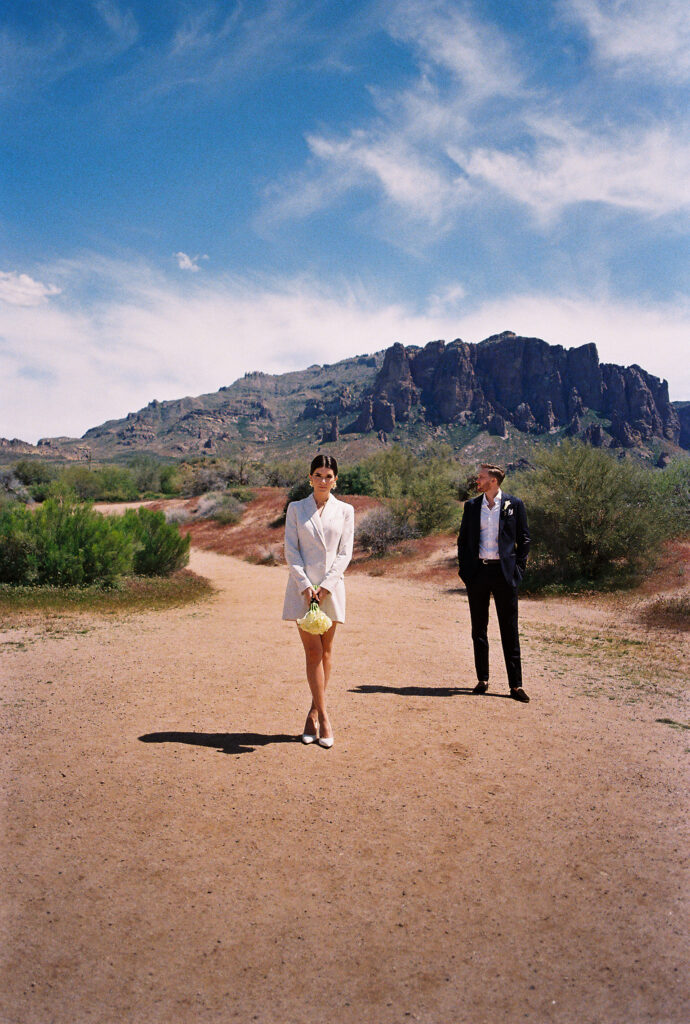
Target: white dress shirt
<point x="489" y="521"/>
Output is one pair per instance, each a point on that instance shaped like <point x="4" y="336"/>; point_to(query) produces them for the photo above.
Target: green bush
<point x="593" y="519"/>
<point x="104" y="483"/>
<point x="37" y="476"/>
<point x="170" y="480"/>
<point x="158" y="547"/>
<point x="356" y="480"/>
<point x="69" y="544"/>
<point x="298" y="491"/>
<point x="64" y="545"/>
<point x="433" y="503"/>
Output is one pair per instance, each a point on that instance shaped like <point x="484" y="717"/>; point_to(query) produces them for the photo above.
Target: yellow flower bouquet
<point x="315" y="621"/>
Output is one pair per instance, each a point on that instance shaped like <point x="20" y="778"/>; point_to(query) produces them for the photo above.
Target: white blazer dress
<point x="318" y="549"/>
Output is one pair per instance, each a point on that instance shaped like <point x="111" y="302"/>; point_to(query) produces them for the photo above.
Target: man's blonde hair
<point x="495" y="471"/>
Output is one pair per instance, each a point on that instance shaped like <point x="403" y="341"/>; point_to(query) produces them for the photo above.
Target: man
<point x="492" y="554"/>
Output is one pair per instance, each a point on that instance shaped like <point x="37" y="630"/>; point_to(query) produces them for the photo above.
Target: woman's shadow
<point x="223" y="742"/>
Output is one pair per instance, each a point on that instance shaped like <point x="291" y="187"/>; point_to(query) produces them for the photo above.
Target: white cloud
<point x="407" y="179"/>
<point x="647" y="171"/>
<point x="65" y="370"/>
<point x="638" y="34"/>
<point x="471" y="125"/>
<point x="445" y="35"/>
<point x="22" y="290"/>
<point x="186" y="262"/>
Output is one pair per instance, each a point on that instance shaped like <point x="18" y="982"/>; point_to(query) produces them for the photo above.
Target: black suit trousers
<point x="489" y="581"/>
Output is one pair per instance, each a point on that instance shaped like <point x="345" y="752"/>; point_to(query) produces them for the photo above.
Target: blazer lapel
<point x="315" y="519"/>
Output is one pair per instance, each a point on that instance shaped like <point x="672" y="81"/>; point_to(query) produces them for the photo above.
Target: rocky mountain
<point x="499" y="396"/>
<point x="525" y="382"/>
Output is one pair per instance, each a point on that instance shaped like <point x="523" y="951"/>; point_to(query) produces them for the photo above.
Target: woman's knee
<point x="314" y="655"/>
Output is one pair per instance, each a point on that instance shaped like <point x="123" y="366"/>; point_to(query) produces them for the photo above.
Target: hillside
<point x="493" y="399"/>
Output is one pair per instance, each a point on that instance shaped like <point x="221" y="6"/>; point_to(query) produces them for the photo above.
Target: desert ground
<point x="172" y="854"/>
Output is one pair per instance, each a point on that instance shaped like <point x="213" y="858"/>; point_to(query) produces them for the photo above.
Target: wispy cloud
<point x="638" y="35"/>
<point x="447" y="36"/>
<point x="643" y="170"/>
<point x="22" y="290"/>
<point x="472" y="125"/>
<point x="186" y="262"/>
<point x="68" y="366"/>
<point x="28" y="64"/>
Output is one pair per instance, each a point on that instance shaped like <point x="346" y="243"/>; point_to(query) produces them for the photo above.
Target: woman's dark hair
<point x="324" y="462"/>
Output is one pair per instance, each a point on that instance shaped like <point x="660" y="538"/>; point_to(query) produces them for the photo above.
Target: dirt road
<point x="172" y="855"/>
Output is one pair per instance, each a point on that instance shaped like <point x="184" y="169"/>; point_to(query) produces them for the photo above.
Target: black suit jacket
<point x="513" y="539"/>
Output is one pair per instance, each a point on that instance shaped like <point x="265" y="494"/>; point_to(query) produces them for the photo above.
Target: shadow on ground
<point x="223" y="742"/>
<point x="427" y="691"/>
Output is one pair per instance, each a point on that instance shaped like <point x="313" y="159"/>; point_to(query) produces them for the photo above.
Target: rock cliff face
<point x="506" y="385"/>
<point x="683" y="413"/>
<point x="523" y="381"/>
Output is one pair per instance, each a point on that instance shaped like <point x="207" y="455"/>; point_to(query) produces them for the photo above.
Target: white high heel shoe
<point x="326" y="741"/>
<point x="308" y="737"/>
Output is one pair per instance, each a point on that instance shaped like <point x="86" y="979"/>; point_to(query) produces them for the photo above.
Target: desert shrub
<point x="356" y="480"/>
<point x="672" y="487"/>
<point x="17" y="544"/>
<point x="36" y="477"/>
<point x="12" y="488"/>
<point x="222" y="506"/>
<point x="230" y="511"/>
<point x="158" y="547"/>
<point x="170" y="480"/>
<point x="178" y="515"/>
<point x="64" y="545"/>
<point x="208" y="478"/>
<point x="298" y="491"/>
<point x="381" y="529"/>
<point x="146" y="473"/>
<point x="420" y="490"/>
<point x="432" y="499"/>
<point x="103" y="483"/>
<point x="593" y="518"/>
<point x="392" y="472"/>
<point x="283" y="474"/>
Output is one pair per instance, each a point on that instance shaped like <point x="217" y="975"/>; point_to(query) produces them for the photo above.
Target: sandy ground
<point x="172" y="854"/>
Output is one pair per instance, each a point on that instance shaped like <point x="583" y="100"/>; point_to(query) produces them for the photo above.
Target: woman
<point x="319" y="532"/>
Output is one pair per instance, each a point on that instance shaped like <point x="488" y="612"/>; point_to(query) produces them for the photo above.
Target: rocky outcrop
<point x="682" y="410"/>
<point x="525" y="382"/>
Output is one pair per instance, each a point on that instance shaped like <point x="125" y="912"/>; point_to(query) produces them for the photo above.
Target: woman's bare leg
<point x="318" y="650"/>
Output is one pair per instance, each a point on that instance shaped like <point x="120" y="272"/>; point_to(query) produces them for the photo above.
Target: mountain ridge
<point x="506" y="387"/>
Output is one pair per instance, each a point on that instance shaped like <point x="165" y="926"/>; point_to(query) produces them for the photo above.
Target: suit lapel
<point x="315" y="519"/>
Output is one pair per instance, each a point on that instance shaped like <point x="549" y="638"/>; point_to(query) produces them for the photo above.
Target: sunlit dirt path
<point x="173" y="855"/>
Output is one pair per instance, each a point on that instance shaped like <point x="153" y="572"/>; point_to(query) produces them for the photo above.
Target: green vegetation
<point x="597" y="521"/>
<point x="68" y="544"/>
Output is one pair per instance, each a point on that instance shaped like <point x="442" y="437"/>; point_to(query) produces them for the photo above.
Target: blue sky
<point x="189" y="191"/>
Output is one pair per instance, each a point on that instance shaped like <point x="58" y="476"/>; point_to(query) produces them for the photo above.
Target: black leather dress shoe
<point x="517" y="693"/>
<point x="481" y="687"/>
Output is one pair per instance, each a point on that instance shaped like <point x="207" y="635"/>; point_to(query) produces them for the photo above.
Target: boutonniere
<point x="507" y="509"/>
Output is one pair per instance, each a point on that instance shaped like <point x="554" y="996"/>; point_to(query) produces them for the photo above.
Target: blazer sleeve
<point x="462" y="537"/>
<point x="344" y="555"/>
<point x="293" y="555"/>
<point x="522" y="538"/>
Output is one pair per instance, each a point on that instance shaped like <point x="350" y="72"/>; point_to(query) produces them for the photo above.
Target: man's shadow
<point x="223" y="742"/>
<point x="426" y="691"/>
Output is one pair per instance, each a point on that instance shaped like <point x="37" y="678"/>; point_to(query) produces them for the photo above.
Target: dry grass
<point x="667" y="612"/>
<point x="137" y="593"/>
